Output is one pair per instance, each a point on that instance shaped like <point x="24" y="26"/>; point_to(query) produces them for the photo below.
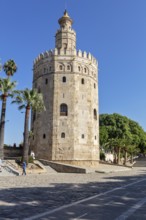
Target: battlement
<point x="42" y="56"/>
<point x="74" y="53"/>
<point x="84" y="54"/>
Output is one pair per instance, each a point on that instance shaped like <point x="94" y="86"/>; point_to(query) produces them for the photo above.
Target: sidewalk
<point x="110" y="168"/>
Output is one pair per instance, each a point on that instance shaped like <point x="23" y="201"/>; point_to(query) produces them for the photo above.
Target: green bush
<point x="30" y="159"/>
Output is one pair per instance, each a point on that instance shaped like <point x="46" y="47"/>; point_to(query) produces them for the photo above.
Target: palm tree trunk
<point x="26" y="136"/>
<point x="2" y="125"/>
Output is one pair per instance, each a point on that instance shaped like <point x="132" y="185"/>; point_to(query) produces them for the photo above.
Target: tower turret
<point x="65" y="36"/>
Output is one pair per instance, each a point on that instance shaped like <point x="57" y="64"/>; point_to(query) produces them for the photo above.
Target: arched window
<point x="63" y="110"/>
<point x="68" y="67"/>
<point x="44" y="136"/>
<point x="62" y="135"/>
<point x="95" y="137"/>
<point x="94" y="86"/>
<point x="64" y="79"/>
<point x="85" y="70"/>
<point x="60" y="67"/>
<point x="82" y="81"/>
<point x="95" y="114"/>
<point x="79" y="68"/>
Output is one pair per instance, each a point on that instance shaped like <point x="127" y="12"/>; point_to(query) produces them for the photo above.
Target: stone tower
<point x="68" y="131"/>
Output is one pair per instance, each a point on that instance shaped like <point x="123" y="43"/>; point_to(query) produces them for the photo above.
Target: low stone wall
<point x="63" y="168"/>
<point x="11" y="152"/>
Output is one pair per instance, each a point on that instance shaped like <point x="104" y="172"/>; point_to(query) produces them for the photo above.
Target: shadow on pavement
<point x="19" y="203"/>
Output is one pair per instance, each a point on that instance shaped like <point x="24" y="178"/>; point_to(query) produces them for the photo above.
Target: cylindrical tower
<point x="68" y="131"/>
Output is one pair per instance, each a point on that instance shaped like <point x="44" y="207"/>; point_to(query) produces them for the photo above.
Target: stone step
<point x="6" y="172"/>
<point x="49" y="169"/>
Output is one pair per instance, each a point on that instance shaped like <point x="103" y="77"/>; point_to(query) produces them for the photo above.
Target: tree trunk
<point x="115" y="155"/>
<point x="2" y="125"/>
<point x="26" y="136"/>
<point x="132" y="158"/>
<point x="125" y="159"/>
<point x="119" y="152"/>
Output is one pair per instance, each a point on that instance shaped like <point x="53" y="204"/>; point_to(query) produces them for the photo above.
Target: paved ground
<point x="24" y="197"/>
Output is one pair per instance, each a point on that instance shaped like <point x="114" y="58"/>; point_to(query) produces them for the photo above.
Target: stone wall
<point x="12" y="152"/>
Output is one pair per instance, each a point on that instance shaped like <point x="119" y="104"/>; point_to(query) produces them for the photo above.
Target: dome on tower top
<point x="65" y="20"/>
<point x="65" y="14"/>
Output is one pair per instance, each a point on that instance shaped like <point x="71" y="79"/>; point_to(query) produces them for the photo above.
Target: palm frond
<point x="21" y="107"/>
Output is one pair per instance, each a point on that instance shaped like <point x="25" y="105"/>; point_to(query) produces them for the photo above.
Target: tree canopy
<point x="118" y="127"/>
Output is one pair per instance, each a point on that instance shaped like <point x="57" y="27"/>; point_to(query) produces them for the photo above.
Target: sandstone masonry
<point x="68" y="131"/>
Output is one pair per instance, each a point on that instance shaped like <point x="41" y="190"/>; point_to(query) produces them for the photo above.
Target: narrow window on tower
<point x="63" y="110"/>
<point x="63" y="79"/>
<point x="46" y="81"/>
<point x="68" y="67"/>
<point x="95" y="137"/>
<point x="44" y="136"/>
<point x="60" y="67"/>
<point x="79" y="68"/>
<point x="35" y="85"/>
<point x="85" y="70"/>
<point x="82" y="81"/>
<point x="83" y="136"/>
<point x="50" y="68"/>
<point x="95" y="114"/>
<point x="34" y="116"/>
<point x="62" y="135"/>
<point x="94" y="86"/>
<point x="39" y="90"/>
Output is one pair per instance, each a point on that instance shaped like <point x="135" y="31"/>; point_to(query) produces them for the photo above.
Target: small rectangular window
<point x="46" y="81"/>
<point x="83" y="136"/>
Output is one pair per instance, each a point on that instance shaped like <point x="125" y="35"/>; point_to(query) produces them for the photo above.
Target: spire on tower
<point x="65" y="21"/>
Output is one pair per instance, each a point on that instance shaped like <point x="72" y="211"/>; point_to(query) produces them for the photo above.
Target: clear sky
<point x="114" y="31"/>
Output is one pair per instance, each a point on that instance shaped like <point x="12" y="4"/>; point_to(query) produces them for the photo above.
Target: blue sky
<point x="114" y="31"/>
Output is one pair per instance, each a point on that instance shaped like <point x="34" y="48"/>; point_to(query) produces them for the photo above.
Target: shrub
<point x="30" y="159"/>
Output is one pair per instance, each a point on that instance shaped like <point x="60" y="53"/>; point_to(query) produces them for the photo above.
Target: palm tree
<point x="6" y="90"/>
<point x="10" y="68"/>
<point x="28" y="99"/>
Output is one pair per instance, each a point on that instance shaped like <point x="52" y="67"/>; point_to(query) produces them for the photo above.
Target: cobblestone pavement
<point x="24" y="196"/>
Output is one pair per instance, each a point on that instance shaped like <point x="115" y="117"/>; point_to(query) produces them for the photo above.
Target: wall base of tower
<point x="79" y="163"/>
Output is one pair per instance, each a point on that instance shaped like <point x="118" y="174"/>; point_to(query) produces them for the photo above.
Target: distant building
<point x="68" y="131"/>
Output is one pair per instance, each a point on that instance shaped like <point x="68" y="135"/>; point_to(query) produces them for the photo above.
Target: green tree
<point x="117" y="132"/>
<point x="6" y="90"/>
<point x="28" y="99"/>
<point x="133" y="150"/>
<point x="10" y="68"/>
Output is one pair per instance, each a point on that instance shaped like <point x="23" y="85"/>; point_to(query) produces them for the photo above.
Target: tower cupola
<point x="65" y="40"/>
<point x="65" y="21"/>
